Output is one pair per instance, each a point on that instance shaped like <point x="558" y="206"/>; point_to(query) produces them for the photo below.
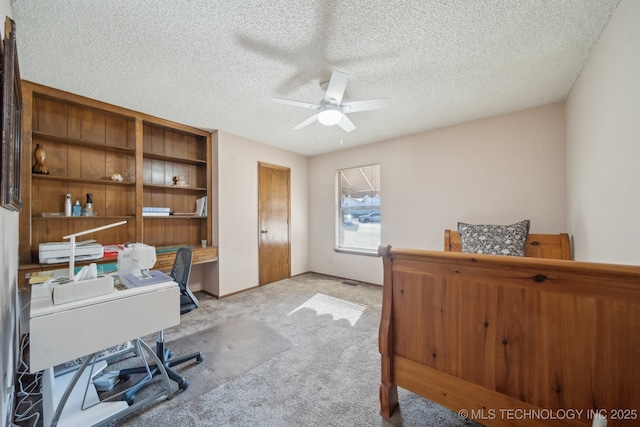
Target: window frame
<point x="339" y="245"/>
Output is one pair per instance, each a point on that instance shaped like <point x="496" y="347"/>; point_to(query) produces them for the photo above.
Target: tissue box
<point x="73" y="291"/>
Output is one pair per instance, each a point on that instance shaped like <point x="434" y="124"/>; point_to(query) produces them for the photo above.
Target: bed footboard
<point x="495" y="336"/>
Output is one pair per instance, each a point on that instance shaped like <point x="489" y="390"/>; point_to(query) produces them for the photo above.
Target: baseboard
<point x="344" y="279"/>
<point x="236" y="292"/>
<point x="208" y="293"/>
<point x="360" y="282"/>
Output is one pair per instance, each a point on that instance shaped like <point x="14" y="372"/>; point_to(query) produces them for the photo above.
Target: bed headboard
<point x="552" y="246"/>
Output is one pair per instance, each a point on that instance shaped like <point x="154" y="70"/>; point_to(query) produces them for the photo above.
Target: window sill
<point x="364" y="252"/>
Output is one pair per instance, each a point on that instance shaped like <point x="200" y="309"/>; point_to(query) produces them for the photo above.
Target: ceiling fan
<point x="331" y="110"/>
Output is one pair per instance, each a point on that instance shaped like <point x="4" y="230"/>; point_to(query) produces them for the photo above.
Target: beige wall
<point x="238" y="210"/>
<point x="8" y="306"/>
<point x="498" y="170"/>
<point x="8" y="290"/>
<point x="603" y="145"/>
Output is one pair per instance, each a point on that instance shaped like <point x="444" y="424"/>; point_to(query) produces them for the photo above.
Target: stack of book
<point x="154" y="211"/>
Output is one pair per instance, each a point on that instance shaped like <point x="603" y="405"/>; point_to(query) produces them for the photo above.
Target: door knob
<point x="263" y="231"/>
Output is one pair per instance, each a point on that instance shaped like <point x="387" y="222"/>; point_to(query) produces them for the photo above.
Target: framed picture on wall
<point x="12" y="108"/>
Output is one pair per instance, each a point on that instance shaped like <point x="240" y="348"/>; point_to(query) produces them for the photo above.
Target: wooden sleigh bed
<point x="539" y="340"/>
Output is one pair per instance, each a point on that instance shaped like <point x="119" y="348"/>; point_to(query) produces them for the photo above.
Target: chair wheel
<point x="184" y="384"/>
<point x="129" y="399"/>
<point x="200" y="358"/>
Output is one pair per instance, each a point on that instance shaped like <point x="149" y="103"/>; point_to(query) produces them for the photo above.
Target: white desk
<point x="59" y="333"/>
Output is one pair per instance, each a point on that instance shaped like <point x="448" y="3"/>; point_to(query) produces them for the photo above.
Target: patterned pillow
<point x="494" y="239"/>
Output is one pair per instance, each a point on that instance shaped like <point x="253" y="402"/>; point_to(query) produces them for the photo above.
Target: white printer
<point x="59" y="252"/>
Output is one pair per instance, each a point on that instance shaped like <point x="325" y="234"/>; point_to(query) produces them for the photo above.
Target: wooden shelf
<point x="82" y="180"/>
<point x="74" y="218"/>
<point x="174" y="159"/>
<point x="174" y="187"/>
<point x="84" y="144"/>
<point x="174" y="217"/>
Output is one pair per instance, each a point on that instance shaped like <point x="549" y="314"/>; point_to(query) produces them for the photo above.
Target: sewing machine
<point x="134" y="266"/>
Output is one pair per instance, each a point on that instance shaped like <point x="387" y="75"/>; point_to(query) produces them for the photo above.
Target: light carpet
<point x="328" y="377"/>
<point x="230" y="349"/>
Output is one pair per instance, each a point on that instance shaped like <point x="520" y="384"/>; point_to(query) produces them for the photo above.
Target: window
<point x="358" y="212"/>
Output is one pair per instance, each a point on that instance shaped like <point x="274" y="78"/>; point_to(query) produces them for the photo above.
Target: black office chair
<point x="180" y="273"/>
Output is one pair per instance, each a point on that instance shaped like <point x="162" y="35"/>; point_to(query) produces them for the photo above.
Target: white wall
<point x="238" y="210"/>
<point x="498" y="170"/>
<point x="8" y="290"/>
<point x="603" y="145"/>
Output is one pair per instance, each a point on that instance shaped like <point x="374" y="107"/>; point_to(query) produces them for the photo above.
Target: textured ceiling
<point x="217" y="64"/>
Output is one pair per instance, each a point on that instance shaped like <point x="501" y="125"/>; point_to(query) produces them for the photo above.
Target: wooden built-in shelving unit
<point x="86" y="142"/>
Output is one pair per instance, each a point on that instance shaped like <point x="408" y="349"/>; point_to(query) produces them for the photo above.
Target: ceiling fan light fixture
<point x="331" y="110"/>
<point x="330" y="116"/>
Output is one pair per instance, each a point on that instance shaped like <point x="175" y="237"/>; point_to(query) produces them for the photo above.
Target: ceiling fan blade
<point x="297" y="103"/>
<point x="308" y="121"/>
<point x="346" y="124"/>
<point x="335" y="90"/>
<point x="371" y="104"/>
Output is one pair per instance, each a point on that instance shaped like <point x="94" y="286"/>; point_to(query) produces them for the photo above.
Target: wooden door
<point x="274" y="246"/>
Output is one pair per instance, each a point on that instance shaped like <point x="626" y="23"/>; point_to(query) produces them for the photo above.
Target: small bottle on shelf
<point x="89" y="206"/>
<point x="67" y="205"/>
<point x="77" y="209"/>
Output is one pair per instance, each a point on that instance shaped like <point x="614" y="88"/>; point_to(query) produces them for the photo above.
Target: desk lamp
<point x="72" y="244"/>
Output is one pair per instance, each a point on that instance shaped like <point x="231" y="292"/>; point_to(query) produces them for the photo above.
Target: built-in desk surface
<point x="165" y="257"/>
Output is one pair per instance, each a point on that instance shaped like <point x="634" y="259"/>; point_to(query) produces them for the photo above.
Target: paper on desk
<point x="39" y="277"/>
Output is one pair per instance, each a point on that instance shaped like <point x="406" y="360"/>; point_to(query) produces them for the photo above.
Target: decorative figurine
<point x="117" y="177"/>
<point x="40" y="155"/>
<point x="179" y="181"/>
